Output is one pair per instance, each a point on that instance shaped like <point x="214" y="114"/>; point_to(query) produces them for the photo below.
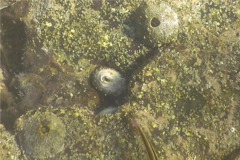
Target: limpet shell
<point x="109" y="81"/>
<point x="41" y="135"/>
<point x="156" y="23"/>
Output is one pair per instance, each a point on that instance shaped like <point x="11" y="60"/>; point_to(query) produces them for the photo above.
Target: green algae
<point x="85" y="34"/>
<point x="8" y="147"/>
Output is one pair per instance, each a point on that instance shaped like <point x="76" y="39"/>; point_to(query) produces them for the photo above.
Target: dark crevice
<point x="234" y="155"/>
<point x="12" y="47"/>
<point x="13" y="41"/>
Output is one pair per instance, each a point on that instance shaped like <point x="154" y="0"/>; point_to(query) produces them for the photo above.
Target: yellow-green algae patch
<point x="8" y="147"/>
<point x="79" y="31"/>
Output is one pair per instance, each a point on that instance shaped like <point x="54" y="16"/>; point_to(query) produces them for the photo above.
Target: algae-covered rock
<point x="77" y="133"/>
<point x="180" y="57"/>
<point x="188" y="118"/>
<point x="41" y="135"/>
<point x="8" y="147"/>
<point x="191" y="91"/>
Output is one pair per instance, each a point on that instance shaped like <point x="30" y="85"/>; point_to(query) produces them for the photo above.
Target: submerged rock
<point x="8" y="147"/>
<point x="184" y="95"/>
<point x="42" y="134"/>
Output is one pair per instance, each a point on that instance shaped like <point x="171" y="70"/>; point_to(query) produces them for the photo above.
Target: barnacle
<point x="156" y="24"/>
<point x="109" y="81"/>
<point x="41" y="135"/>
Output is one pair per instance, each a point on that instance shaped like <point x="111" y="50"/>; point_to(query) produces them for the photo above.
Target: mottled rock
<point x="8" y="147"/>
<point x="183" y="89"/>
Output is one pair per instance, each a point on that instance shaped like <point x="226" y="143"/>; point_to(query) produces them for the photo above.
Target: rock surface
<point x="8" y="147"/>
<point x="184" y="93"/>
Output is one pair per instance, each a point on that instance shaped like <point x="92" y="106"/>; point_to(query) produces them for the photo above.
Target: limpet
<point x="109" y="81"/>
<point x="156" y="23"/>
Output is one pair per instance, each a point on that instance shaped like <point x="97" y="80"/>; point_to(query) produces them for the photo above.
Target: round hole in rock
<point x="155" y="22"/>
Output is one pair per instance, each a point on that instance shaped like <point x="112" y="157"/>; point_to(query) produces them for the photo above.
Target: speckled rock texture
<point x="180" y="63"/>
<point x="9" y="149"/>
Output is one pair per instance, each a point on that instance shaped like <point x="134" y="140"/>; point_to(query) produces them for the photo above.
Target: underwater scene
<point x="120" y="80"/>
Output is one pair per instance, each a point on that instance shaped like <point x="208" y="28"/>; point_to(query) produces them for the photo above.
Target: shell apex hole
<point x="155" y="22"/>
